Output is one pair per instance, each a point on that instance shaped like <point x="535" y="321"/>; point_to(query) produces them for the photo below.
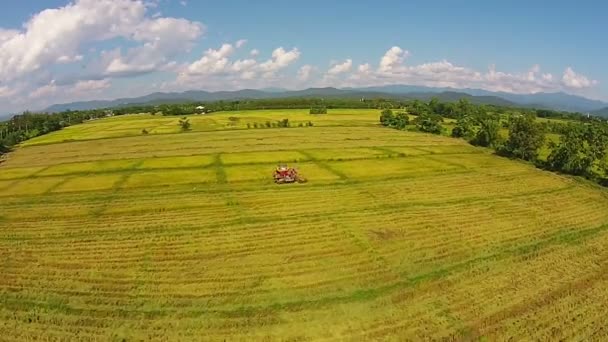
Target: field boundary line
<point x="113" y="191"/>
<point x="56" y="186"/>
<point x="324" y="165"/>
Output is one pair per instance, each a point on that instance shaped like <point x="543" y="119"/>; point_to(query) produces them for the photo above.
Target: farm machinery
<point x="284" y="174"/>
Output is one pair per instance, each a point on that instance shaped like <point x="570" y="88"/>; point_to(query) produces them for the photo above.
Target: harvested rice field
<point x="108" y="234"/>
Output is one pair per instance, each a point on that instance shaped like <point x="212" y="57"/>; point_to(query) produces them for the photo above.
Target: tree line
<point x="581" y="150"/>
<point x="430" y="114"/>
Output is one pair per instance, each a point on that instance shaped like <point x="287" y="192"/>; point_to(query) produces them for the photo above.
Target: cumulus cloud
<point x="392" y="68"/>
<point x="393" y="59"/>
<point x="281" y="58"/>
<point x="63" y="35"/>
<point x="91" y="85"/>
<point x="577" y="81"/>
<point x="305" y="72"/>
<point x="239" y="43"/>
<point x="213" y="61"/>
<point x="218" y="67"/>
<point x="254" y="52"/>
<point x="340" y="68"/>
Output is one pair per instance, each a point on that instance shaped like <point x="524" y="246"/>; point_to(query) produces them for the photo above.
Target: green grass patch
<point x="88" y="183"/>
<point x="18" y="172"/>
<point x="177" y="162"/>
<point x="169" y="177"/>
<point x="89" y="167"/>
<point x="263" y="157"/>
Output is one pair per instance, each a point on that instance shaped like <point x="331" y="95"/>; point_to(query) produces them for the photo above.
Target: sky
<point x="54" y="51"/>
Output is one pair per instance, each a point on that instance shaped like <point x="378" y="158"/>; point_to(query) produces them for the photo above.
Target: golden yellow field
<point x="108" y="234"/>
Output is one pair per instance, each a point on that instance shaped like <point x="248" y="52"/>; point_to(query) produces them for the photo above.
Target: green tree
<point x="526" y="137"/>
<point x="488" y="133"/>
<point x="184" y="124"/>
<point x="401" y="120"/>
<point x="430" y="123"/>
<point x="387" y="118"/>
<point x="581" y="150"/>
<point x="569" y="155"/>
<point x="465" y="126"/>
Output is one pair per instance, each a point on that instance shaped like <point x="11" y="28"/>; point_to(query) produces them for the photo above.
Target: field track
<point x="108" y="234"/>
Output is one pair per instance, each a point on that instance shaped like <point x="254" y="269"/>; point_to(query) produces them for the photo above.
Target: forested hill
<point x="203" y="96"/>
<point x="554" y="101"/>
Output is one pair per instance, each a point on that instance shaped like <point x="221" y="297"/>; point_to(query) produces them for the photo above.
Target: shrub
<point x="401" y="120"/>
<point x="488" y="133"/>
<point x="526" y="136"/>
<point x="387" y="118"/>
<point x="184" y="123"/>
<point x="318" y="110"/>
<point x="430" y="123"/>
<point x="144" y="131"/>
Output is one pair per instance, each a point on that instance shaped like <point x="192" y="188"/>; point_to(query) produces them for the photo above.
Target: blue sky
<point x="59" y="51"/>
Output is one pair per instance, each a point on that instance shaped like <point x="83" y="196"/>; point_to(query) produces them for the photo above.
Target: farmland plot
<point x="396" y="236"/>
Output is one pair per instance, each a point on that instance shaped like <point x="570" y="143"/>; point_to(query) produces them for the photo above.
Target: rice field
<point x="108" y="234"/>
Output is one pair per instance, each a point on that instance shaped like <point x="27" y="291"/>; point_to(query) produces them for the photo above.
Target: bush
<point x="268" y="124"/>
<point x="248" y="125"/>
<point x="401" y="120"/>
<point x="430" y="123"/>
<point x="255" y="125"/>
<point x="184" y="123"/>
<point x="309" y="124"/>
<point x="233" y="120"/>
<point x="387" y="118"/>
<point x="318" y="110"/>
<point x="144" y="131"/>
<point x="488" y="133"/>
<point x="526" y="136"/>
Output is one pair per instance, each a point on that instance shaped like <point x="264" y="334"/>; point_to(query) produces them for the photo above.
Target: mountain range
<point x="556" y="101"/>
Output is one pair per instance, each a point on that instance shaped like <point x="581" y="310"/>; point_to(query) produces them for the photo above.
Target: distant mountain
<point x="557" y="101"/>
<point x="601" y="112"/>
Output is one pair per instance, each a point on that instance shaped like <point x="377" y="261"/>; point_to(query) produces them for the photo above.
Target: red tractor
<point x="285" y="174"/>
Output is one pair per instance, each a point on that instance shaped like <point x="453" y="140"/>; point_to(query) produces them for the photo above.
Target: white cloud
<point x="340" y="68"/>
<point x="305" y="72"/>
<point x="91" y="85"/>
<point x="43" y="91"/>
<point x="216" y="69"/>
<point x="6" y="91"/>
<point x="183" y="3"/>
<point x="392" y="59"/>
<point x="392" y="69"/>
<point x="280" y="59"/>
<point x="254" y="52"/>
<point x="69" y="59"/>
<point x="213" y="61"/>
<point x="577" y="81"/>
<point x="59" y="36"/>
<point x="239" y="43"/>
